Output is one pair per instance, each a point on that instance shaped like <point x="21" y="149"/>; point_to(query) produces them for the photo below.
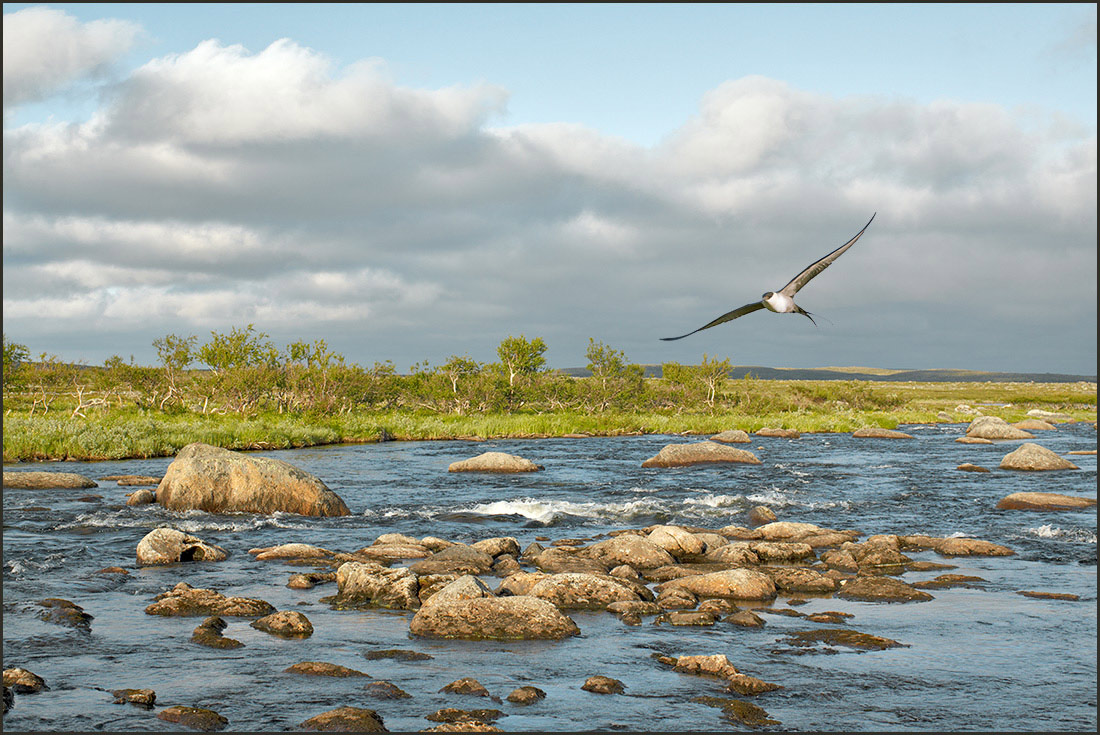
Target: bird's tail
<point x="799" y="310"/>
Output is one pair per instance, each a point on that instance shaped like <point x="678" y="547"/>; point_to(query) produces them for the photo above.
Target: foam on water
<point x="1075" y="535"/>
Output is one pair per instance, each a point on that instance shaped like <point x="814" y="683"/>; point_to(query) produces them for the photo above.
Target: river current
<point x="975" y="658"/>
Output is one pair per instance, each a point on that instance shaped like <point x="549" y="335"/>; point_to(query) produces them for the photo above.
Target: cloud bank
<point x="220" y="187"/>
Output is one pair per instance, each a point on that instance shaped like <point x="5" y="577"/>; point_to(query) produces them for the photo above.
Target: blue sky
<point x="437" y="177"/>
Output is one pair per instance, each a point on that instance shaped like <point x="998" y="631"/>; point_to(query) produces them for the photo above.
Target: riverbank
<point x="128" y="433"/>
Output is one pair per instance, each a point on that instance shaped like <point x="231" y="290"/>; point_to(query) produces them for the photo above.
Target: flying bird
<point x="782" y="301"/>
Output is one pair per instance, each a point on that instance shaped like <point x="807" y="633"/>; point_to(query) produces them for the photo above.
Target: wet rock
<point x="1044" y="501"/>
<point x="777" y="433"/>
<point x="842" y="637"/>
<point x="112" y="570"/>
<point x="141" y="697"/>
<point x="141" y="497"/>
<point x="676" y="598"/>
<point x="1033" y="425"/>
<point x="498" y="546"/>
<point x="520" y="617"/>
<point x="636" y="551"/>
<point x="309" y="580"/>
<point x="582" y="591"/>
<point x="185" y="600"/>
<point x="218" y="480"/>
<point x="994" y="427"/>
<point x="874" y="432"/>
<point x="285" y="624"/>
<point x="949" y="581"/>
<point x="738" y="553"/>
<point x="879" y="551"/>
<point x="466" y="685"/>
<point x="840" y="559"/>
<point x="881" y="589"/>
<point x="739" y="712"/>
<point x="602" y="685"/>
<point x="346" y="719"/>
<point x="64" y="612"/>
<point x="745" y="619"/>
<point x="556" y="560"/>
<point x="450" y="714"/>
<point x="463" y="726"/>
<point x="1034" y="458"/>
<point x="717" y="666"/>
<point x="973" y="440"/>
<point x="209" y="633"/>
<point x="687" y="617"/>
<point x="21" y="681"/>
<point x="738" y="584"/>
<point x="169" y="546"/>
<point x="397" y="654"/>
<point x="47" y="481"/>
<point x="457" y="559"/>
<point x="1048" y="595"/>
<point x="194" y="718"/>
<point x="385" y="690"/>
<point x="372" y="585"/>
<point x="799" y="579"/>
<point x="676" y="541"/>
<point x="322" y="668"/>
<point x="781" y="551"/>
<point x="526" y="695"/>
<point x="638" y="607"/>
<point x="290" y="551"/>
<point x="494" y="462"/>
<point x="967" y="467"/>
<point x="134" y="480"/>
<point x="829" y="616"/>
<point x="732" y="436"/>
<point x="956" y="546"/>
<point x="760" y="515"/>
<point x="707" y="452"/>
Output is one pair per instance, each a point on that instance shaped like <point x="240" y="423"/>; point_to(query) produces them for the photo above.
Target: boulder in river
<point x="168" y="546"/>
<point x="777" y="433"/>
<point x="185" y="600"/>
<point x="373" y="585"/>
<point x="602" y="685"/>
<point x="736" y="584"/>
<point x="346" y="719"/>
<point x="65" y="612"/>
<point x="706" y="452"/>
<point x="494" y="462"/>
<point x="881" y="589"/>
<point x="21" y="681"/>
<point x="285" y="624"/>
<point x="1032" y="457"/>
<point x="582" y="591"/>
<point x="47" y="480"/>
<point x="1044" y="501"/>
<point x="638" y="552"/>
<point x="994" y="427"/>
<point x="194" y="718"/>
<point x="521" y="617"/>
<point x="216" y="480"/>
<point x="732" y="436"/>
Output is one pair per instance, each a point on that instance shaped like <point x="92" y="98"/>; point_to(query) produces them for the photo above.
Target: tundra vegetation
<point x="238" y="390"/>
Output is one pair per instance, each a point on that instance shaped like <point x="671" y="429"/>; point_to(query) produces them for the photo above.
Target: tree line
<point x="245" y="373"/>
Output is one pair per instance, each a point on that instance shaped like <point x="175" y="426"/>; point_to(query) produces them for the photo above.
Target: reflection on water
<point x="985" y="658"/>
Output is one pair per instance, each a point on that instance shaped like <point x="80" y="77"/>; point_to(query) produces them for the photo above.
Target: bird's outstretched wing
<point x="746" y="309"/>
<point x="804" y="277"/>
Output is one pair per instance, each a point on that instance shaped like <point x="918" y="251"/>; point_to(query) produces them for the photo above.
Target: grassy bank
<point x="129" y="432"/>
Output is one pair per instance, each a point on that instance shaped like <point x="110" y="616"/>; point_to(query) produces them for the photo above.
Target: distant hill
<point x="877" y="374"/>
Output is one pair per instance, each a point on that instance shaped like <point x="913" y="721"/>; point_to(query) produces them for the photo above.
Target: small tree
<point x="459" y="367"/>
<point x="175" y="354"/>
<point x="14" y="355"/>
<point x="519" y="356"/>
<point x="713" y="372"/>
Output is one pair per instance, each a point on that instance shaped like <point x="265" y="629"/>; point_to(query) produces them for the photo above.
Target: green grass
<point x="805" y="406"/>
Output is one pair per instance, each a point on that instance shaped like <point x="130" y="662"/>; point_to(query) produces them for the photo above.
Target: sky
<point x="412" y="182"/>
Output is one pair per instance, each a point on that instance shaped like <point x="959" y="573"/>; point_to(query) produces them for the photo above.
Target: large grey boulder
<point x="994" y="427"/>
<point x="216" y="480"/>
<point x="706" y="452"/>
<point x="737" y="584"/>
<point x="373" y="585"/>
<point x="470" y="611"/>
<point x="1033" y="458"/>
<point x="638" y="552"/>
<point x="169" y="546"/>
<point x="582" y="591"/>
<point x="494" y="462"/>
<point x="47" y="480"/>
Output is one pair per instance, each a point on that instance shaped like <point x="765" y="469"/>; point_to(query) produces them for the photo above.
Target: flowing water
<point x="975" y="658"/>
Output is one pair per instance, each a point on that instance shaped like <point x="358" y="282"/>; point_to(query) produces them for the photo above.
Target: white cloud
<point x="222" y="187"/>
<point x="46" y="50"/>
